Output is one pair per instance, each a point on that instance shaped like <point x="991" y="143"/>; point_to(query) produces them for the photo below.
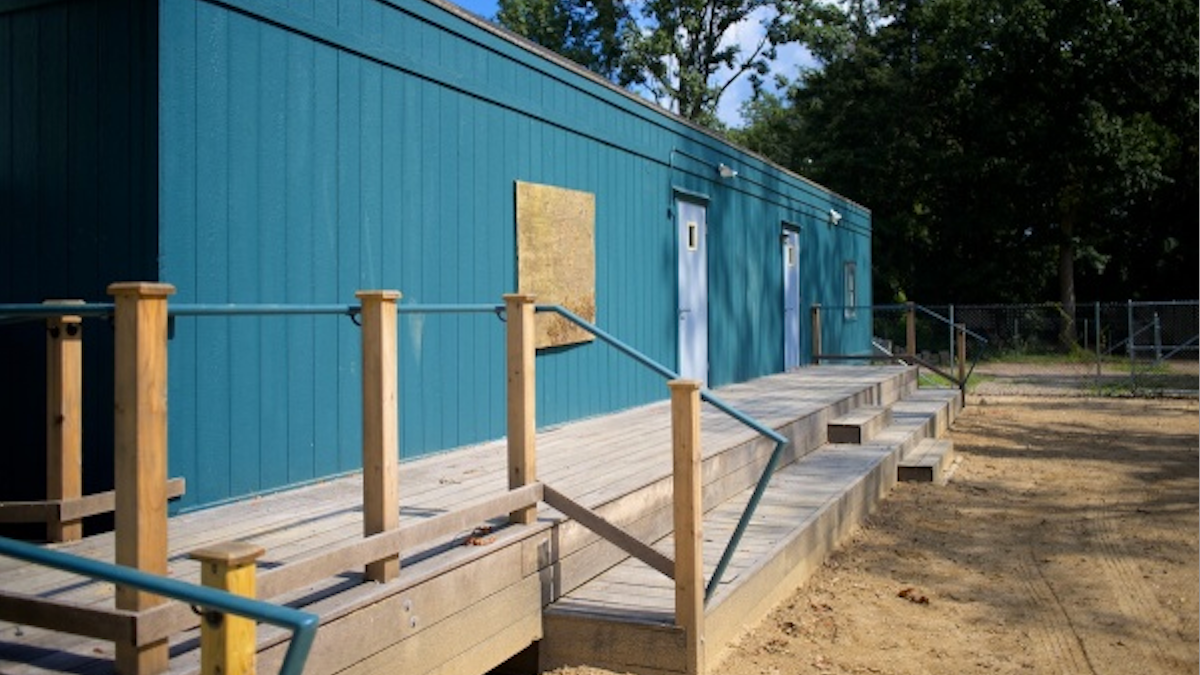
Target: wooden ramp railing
<point x="65" y="507"/>
<point x="141" y="623"/>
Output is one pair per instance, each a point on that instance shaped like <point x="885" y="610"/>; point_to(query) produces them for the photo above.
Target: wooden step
<point x="860" y="425"/>
<point x="622" y="619"/>
<point x="927" y="462"/>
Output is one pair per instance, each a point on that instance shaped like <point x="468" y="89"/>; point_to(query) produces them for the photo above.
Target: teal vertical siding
<point x="264" y="152"/>
<point x="78" y="168"/>
<point x="256" y="151"/>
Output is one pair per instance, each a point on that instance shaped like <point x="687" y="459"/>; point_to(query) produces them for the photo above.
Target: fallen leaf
<point x="911" y="595"/>
<point x="480" y="536"/>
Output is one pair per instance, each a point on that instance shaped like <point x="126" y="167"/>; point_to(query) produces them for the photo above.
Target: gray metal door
<point x="791" y="299"/>
<point x="693" y="291"/>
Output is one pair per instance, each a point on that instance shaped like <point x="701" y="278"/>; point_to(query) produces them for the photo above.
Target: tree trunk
<point x="1066" y="279"/>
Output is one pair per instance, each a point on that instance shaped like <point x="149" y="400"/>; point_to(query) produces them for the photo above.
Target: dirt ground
<point x="1064" y="542"/>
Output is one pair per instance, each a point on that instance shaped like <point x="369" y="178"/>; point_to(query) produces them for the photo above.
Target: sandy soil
<point x="1064" y="542"/>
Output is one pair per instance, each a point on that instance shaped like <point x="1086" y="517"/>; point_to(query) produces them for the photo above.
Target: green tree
<point x="1008" y="148"/>
<point x="684" y="55"/>
<point x="592" y="33"/>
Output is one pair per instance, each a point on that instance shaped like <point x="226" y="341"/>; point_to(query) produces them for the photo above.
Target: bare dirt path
<point x="1066" y="542"/>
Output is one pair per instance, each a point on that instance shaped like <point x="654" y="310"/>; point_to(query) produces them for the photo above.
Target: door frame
<point x="692" y="342"/>
<point x="793" y="325"/>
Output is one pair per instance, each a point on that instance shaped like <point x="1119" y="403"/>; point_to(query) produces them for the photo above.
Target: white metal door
<point x="693" y="291"/>
<point x="791" y="299"/>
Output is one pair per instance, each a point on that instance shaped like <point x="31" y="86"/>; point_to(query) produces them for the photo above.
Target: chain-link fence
<point x="1128" y="348"/>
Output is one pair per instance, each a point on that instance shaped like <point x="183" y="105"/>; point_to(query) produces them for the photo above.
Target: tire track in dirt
<point x="1136" y="598"/>
<point x="1056" y="645"/>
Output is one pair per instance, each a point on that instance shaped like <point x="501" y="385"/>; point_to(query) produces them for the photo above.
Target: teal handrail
<point x="18" y="313"/>
<point x="706" y="395"/>
<point x="34" y="311"/>
<point x="303" y="625"/>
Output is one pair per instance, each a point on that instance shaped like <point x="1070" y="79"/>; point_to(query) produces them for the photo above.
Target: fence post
<point x="1131" y="346"/>
<point x="521" y="356"/>
<point x="1157" y="340"/>
<point x="381" y="425"/>
<point x="816" y="333"/>
<point x="689" y="524"/>
<point x="227" y="642"/>
<point x="64" y="418"/>
<point x="911" y="332"/>
<point x="140" y="453"/>
<point x="1099" y="349"/>
<point x="962" y="353"/>
<point x="953" y="335"/>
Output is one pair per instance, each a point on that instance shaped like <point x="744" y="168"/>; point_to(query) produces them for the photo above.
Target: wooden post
<point x="522" y="402"/>
<point x="64" y="418"/>
<point x="381" y="424"/>
<point x="911" y="333"/>
<point x="689" y="523"/>
<point x="816" y="333"/>
<point x="961" y="336"/>
<point x="228" y="644"/>
<point x="140" y="449"/>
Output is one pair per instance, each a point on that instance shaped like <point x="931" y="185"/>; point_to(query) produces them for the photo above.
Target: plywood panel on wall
<point x="556" y="257"/>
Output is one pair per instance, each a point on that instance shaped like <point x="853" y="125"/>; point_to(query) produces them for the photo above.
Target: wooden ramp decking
<point x="474" y="591"/>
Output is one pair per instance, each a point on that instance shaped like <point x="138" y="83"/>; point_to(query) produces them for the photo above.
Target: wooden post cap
<point x="145" y="289"/>
<point x="378" y="295"/>
<point x="69" y="320"/>
<point x="230" y="553"/>
<point x="685" y="385"/>
<point x="519" y="298"/>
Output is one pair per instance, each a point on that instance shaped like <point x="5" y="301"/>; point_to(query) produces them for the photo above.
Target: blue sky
<point x="787" y="59"/>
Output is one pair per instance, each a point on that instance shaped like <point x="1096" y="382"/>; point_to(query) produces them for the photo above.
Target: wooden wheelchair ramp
<point x="474" y="591"/>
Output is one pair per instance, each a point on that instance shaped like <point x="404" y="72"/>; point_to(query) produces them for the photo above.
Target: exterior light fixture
<point x="726" y="171"/>
<point x="834" y="218"/>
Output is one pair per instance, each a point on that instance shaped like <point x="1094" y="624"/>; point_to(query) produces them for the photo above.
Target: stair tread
<point x="929" y="452"/>
<point x="861" y="415"/>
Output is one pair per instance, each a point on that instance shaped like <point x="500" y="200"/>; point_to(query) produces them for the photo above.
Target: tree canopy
<point x="681" y="53"/>
<point x="592" y="33"/>
<point x="1010" y="150"/>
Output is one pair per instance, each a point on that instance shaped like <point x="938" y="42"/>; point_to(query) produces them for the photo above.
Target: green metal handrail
<point x="706" y="395"/>
<point x="303" y="625"/>
<point x="18" y="313"/>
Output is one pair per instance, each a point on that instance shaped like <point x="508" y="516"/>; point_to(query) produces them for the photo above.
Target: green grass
<point x="1109" y="365"/>
<point x="932" y="379"/>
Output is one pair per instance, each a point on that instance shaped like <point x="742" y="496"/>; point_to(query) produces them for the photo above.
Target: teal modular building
<point x="262" y="151"/>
